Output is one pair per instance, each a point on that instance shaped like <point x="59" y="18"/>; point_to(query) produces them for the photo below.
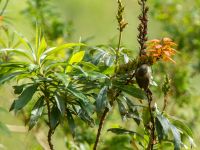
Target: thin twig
<point x="142" y="28"/>
<point x="121" y="25"/>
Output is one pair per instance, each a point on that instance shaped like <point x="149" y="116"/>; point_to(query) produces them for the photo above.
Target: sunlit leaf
<point x="76" y="58"/>
<point x="42" y="48"/>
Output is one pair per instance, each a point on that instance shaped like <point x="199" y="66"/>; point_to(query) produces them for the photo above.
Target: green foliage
<point x="85" y="83"/>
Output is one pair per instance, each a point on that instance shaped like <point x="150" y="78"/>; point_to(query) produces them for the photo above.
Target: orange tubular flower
<point x="161" y="49"/>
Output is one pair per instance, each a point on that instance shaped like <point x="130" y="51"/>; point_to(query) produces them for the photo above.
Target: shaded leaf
<point x="36" y="112"/>
<point x="181" y="125"/>
<point x="124" y="131"/>
<point x="122" y="109"/>
<point x="132" y="90"/>
<point x="71" y="122"/>
<point x="86" y="117"/>
<point x="54" y="117"/>
<point x="10" y="76"/>
<point x="101" y="101"/>
<point x="177" y="137"/>
<point x="24" y="98"/>
<point x="60" y="103"/>
<point x="64" y="78"/>
<point x="164" y="123"/>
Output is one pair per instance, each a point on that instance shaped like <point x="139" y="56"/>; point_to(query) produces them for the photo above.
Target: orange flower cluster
<point x="161" y="49"/>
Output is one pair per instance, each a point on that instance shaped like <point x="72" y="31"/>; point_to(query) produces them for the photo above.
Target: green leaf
<point x="42" y="48"/>
<point x="122" y="109"/>
<point x="78" y="94"/>
<point x="57" y="49"/>
<point x="4" y="129"/>
<point x="93" y="75"/>
<point x="101" y="101"/>
<point x="54" y="117"/>
<point x="86" y="117"/>
<point x="20" y="88"/>
<point x="76" y="58"/>
<point x="177" y="137"/>
<point x="89" y="66"/>
<point x="37" y="36"/>
<point x="24" y="98"/>
<point x="124" y="131"/>
<point x="64" y="78"/>
<point x="10" y="76"/>
<point x="36" y="112"/>
<point x="164" y="123"/>
<point x="132" y="90"/>
<point x="181" y="125"/>
<point x="25" y="42"/>
<point x="159" y="130"/>
<point x="60" y="103"/>
<point x="71" y="122"/>
<point x="20" y="52"/>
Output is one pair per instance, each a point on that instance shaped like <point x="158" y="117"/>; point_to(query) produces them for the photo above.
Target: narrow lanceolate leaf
<point x="19" y="52"/>
<point x="122" y="109"/>
<point x="36" y="112"/>
<point x="177" y="137"/>
<point x="101" y="101"/>
<point x="64" y="78"/>
<point x="42" y="47"/>
<point x="71" y="122"/>
<point x="78" y="94"/>
<point x="124" y="131"/>
<point x="164" y="123"/>
<point x="132" y="90"/>
<point x="181" y="125"/>
<point x="54" y="117"/>
<point x="10" y="76"/>
<point x="24" y="98"/>
<point x="62" y="47"/>
<point x="86" y="117"/>
<point x="60" y="103"/>
<point x="76" y="58"/>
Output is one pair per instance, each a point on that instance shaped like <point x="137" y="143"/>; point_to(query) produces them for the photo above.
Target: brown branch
<point x="152" y="126"/>
<point x="142" y="28"/>
<point x="103" y="117"/>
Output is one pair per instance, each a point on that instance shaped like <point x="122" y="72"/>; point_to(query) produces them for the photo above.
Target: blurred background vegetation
<point x="94" y="22"/>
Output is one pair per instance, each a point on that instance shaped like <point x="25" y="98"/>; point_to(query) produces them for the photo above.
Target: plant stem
<point x="103" y="117"/>
<point x="51" y="131"/>
<point x="152" y="127"/>
<point x="117" y="52"/>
